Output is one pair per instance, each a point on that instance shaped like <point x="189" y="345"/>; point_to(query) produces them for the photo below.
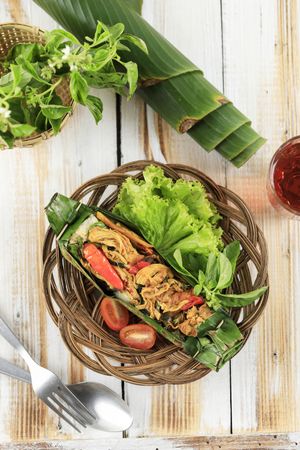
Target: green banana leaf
<point x="170" y="82"/>
<point x="217" y="126"/>
<point x="217" y="341"/>
<point x="218" y="338"/>
<point x="184" y="106"/>
<point x="136" y="5"/>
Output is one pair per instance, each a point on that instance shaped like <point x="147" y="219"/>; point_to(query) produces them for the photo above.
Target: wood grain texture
<point x="244" y="442"/>
<point x="265" y="376"/>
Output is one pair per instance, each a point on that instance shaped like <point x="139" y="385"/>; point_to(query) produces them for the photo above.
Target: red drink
<point x="284" y="178"/>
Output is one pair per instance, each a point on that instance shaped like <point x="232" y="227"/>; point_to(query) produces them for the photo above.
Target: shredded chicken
<point x="126" y="232"/>
<point x="166" y="295"/>
<point x="195" y="316"/>
<point x="115" y="246"/>
<point x="129" y="284"/>
<point x="153" y="275"/>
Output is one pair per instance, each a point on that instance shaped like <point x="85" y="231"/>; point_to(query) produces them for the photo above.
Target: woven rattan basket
<point x="15" y="33"/>
<point x="74" y="307"/>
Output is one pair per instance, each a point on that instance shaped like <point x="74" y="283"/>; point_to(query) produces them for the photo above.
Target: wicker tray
<point x="16" y="33"/>
<point x="74" y="307"/>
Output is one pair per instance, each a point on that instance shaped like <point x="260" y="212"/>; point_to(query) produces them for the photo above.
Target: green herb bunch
<point x="29" y="100"/>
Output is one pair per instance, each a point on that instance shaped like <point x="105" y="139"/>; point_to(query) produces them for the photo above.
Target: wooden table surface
<point x="250" y="49"/>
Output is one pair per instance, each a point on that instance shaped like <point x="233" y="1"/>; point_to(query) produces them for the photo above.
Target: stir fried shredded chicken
<point x="154" y="287"/>
<point x="195" y="316"/>
<point x="115" y="246"/>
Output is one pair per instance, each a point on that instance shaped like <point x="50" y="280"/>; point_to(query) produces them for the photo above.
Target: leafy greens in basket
<point x="33" y="75"/>
<point x="173" y="280"/>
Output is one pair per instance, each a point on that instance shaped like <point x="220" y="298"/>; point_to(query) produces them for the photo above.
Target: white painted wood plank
<point x="261" y="48"/>
<point x="29" y="177"/>
<point x="202" y="407"/>
<point x="243" y="442"/>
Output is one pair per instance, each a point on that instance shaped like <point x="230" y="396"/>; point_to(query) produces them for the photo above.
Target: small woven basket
<point x="16" y="33"/>
<point x="74" y="306"/>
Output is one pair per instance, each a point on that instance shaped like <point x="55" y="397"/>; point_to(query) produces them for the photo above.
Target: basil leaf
<point x="132" y="76"/>
<point x="100" y="58"/>
<point x="101" y="35"/>
<point x="55" y="124"/>
<point x="56" y="37"/>
<point x="225" y="272"/>
<point x="41" y="121"/>
<point x="122" y="47"/>
<point x="95" y="106"/>
<point x="55" y="111"/>
<point x="6" y="81"/>
<point x="32" y="69"/>
<point x="212" y="271"/>
<point x="138" y="42"/>
<point x="78" y="88"/>
<point x="116" y="31"/>
<point x="197" y="289"/>
<point x="232" y="252"/>
<point x="199" y="285"/>
<point x="20" y="130"/>
<point x="30" y="52"/>
<point x="181" y="269"/>
<point x="16" y="73"/>
<point x="17" y="113"/>
<point x="240" y="300"/>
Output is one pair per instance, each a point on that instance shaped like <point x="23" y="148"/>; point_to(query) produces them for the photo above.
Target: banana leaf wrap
<point x="170" y="83"/>
<point x="218" y="337"/>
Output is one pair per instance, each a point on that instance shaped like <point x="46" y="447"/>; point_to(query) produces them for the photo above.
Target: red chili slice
<point x="100" y="264"/>
<point x="193" y="300"/>
<point x="138" y="266"/>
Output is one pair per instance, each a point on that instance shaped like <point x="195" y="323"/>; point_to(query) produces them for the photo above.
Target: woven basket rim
<point x="77" y="316"/>
<point x="19" y="25"/>
<point x="35" y="138"/>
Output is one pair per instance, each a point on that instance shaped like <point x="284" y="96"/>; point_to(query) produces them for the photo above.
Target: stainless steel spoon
<point x="111" y="411"/>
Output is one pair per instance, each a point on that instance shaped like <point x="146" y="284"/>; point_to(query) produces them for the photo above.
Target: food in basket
<point x="174" y="281"/>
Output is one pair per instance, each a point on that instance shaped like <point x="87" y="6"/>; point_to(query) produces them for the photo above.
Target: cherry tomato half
<point x="139" y="336"/>
<point x="115" y="315"/>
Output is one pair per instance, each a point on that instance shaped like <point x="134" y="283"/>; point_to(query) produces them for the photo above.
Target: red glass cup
<point x="284" y="179"/>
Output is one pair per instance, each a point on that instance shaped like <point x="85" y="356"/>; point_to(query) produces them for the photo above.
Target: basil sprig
<point x="33" y="74"/>
<point x="219" y="274"/>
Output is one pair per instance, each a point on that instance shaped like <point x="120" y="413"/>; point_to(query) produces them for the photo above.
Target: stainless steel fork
<point x="49" y="388"/>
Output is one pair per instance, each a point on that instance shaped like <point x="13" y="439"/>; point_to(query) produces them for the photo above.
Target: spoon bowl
<point x="111" y="411"/>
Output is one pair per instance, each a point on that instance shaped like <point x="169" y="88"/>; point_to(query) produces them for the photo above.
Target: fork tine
<point x="60" y="414"/>
<point x="72" y="413"/>
<point x="68" y="397"/>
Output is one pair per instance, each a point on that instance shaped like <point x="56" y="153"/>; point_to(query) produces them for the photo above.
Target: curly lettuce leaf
<point x="171" y="215"/>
